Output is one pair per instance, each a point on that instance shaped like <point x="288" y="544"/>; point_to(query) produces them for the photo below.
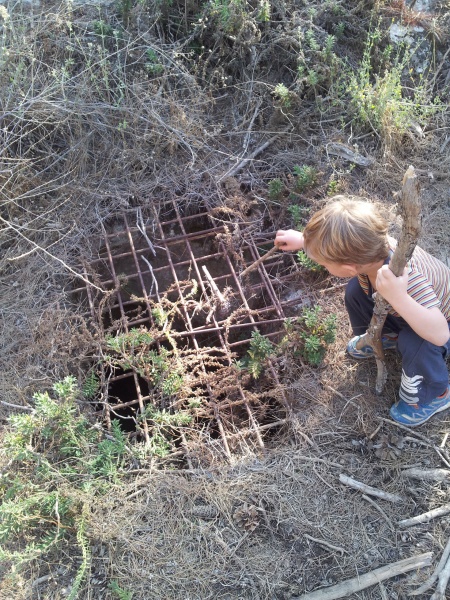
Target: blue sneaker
<point x="389" y="341"/>
<point x="416" y="414"/>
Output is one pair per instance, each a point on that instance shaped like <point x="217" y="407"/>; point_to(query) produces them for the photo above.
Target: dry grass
<point x="92" y="125"/>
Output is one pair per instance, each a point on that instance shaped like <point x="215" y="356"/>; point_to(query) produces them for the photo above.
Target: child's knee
<point x="409" y="343"/>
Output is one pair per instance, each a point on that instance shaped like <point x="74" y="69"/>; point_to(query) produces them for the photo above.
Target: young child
<point x="349" y="238"/>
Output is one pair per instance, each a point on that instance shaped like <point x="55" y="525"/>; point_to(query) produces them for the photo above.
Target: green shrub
<point x="310" y="334"/>
<point x="309" y="264"/>
<point x="260" y="350"/>
<point x="381" y="100"/>
<point x="59" y="464"/>
<point x="305" y="177"/>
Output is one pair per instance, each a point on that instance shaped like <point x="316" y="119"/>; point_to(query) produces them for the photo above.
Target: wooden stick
<point x="425" y="517"/>
<point x="361" y="582"/>
<point x="428" y="474"/>
<point x="444" y="576"/>
<point x="260" y="260"/>
<point x="367" y="489"/>
<point x="429" y="582"/>
<point x="380" y="510"/>
<point x="410" y="210"/>
<point x="213" y="285"/>
<point x="326" y="544"/>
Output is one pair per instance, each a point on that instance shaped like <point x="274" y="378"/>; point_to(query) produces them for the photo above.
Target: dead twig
<point x="361" y="582"/>
<point x="232" y="172"/>
<point x="326" y="544"/>
<point x="367" y="489"/>
<point x="429" y="582"/>
<point x="425" y="517"/>
<point x="380" y="510"/>
<point x="52" y="256"/>
<point x="260" y="260"/>
<point x="439" y="450"/>
<point x="428" y="474"/>
<point x="410" y="211"/>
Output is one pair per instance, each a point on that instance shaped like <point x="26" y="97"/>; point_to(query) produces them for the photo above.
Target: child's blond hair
<point x="348" y="230"/>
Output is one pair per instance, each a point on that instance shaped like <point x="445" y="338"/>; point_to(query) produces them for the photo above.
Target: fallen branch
<point x="367" y="489"/>
<point x="428" y="474"/>
<point x="429" y="582"/>
<point x="232" y="172"/>
<point x="444" y="576"/>
<point x="410" y="210"/>
<point x="361" y="582"/>
<point x="425" y="517"/>
<point x="260" y="260"/>
<point x="326" y="544"/>
<point x="349" y="154"/>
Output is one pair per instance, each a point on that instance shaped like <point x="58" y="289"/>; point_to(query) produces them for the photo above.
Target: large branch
<point x="409" y="208"/>
<point x="351" y="586"/>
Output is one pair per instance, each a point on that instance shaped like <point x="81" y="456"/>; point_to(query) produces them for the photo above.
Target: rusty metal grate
<point x="143" y="258"/>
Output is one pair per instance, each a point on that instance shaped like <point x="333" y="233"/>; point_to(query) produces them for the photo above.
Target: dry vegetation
<point x="109" y="107"/>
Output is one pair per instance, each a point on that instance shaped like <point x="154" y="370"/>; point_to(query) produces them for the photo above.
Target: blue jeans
<point x="425" y="373"/>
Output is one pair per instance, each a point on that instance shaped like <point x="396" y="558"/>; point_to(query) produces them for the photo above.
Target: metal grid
<point x="145" y="260"/>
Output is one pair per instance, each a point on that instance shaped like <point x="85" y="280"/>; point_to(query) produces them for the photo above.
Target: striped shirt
<point x="428" y="281"/>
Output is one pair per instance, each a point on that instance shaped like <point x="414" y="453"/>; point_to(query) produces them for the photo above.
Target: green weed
<point x="260" y="350"/>
<point x="119" y="592"/>
<point x="59" y="465"/>
<point x="276" y="187"/>
<point x="309" y="264"/>
<point x="305" y="176"/>
<point x="310" y="334"/>
<point x="264" y="11"/>
<point x="90" y="386"/>
<point x="153" y="64"/>
<point x="283" y="95"/>
<point x="381" y="100"/>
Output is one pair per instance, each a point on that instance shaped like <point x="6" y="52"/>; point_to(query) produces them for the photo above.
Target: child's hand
<point x="392" y="288"/>
<point x="289" y="240"/>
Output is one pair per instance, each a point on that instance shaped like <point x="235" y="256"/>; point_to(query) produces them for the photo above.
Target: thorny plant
<point x="57" y="465"/>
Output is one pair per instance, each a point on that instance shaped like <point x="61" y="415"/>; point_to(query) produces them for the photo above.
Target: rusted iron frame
<point x="189" y="324"/>
<point x="168" y="242"/>
<point x="265" y="277"/>
<point x="271" y="367"/>
<point x="263" y="271"/>
<point x="125" y="326"/>
<point x="251" y="417"/>
<point x="194" y="216"/>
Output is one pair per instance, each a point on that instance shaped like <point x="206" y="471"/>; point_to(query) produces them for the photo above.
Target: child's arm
<point x="429" y="323"/>
<point x="289" y="240"/>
